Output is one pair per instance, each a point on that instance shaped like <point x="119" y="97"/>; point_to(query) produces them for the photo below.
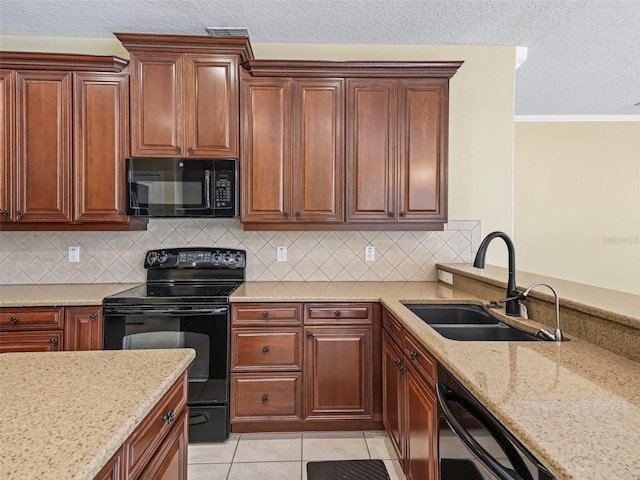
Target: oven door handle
<point x="495" y="467"/>
<point x="168" y="311"/>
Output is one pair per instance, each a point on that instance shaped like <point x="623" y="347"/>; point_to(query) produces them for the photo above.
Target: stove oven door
<point x="204" y="328"/>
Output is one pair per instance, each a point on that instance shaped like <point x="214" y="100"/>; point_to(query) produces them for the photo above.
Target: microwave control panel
<point x="223" y="197"/>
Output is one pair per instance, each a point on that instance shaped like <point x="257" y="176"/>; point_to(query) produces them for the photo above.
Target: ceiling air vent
<point x="227" y="32"/>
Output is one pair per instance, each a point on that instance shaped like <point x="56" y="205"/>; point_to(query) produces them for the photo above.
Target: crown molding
<point x="576" y="118"/>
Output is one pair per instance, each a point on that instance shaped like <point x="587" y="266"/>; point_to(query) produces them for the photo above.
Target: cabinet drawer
<point x="421" y="359"/>
<point x="43" y="341"/>
<point x="393" y="327"/>
<point x="272" y="396"/>
<point x="266" y="314"/>
<point x="332" y="313"/>
<point x="254" y="349"/>
<point x="30" y="318"/>
<point x="144" y="440"/>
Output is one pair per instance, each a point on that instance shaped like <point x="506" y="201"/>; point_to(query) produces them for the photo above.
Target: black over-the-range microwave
<point x="182" y="187"/>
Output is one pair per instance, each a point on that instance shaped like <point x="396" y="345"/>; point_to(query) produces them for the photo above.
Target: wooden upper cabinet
<point x="371" y="149"/>
<point x="43" y="128"/>
<point x="184" y="95"/>
<point x="211" y="105"/>
<point x="266" y="147"/>
<point x="422" y="150"/>
<point x="7" y="136"/>
<point x="156" y="104"/>
<point x="318" y="153"/>
<point x="101" y="134"/>
<point x="292" y="144"/>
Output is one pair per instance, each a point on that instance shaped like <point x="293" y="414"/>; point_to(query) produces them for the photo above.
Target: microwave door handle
<point x="207" y="188"/>
<point x="495" y="467"/>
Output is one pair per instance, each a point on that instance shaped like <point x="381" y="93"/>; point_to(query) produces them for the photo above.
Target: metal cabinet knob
<point x="179" y="149"/>
<point x="286" y="214"/>
<point x="298" y="214"/>
<point x="5" y="213"/>
<point x="19" y="214"/>
<point x="413" y="355"/>
<point x="309" y="335"/>
<point x="265" y="350"/>
<point x="93" y="316"/>
<point x="397" y="361"/>
<point x="53" y="341"/>
<point x="14" y="320"/>
<point x="191" y="150"/>
<point x="402" y="370"/>
<point x="121" y="213"/>
<point x="390" y="214"/>
<point x="265" y="399"/>
<point x="387" y="324"/>
<point x="338" y="314"/>
<point x="403" y="214"/>
<point x="265" y="315"/>
<point x="169" y="416"/>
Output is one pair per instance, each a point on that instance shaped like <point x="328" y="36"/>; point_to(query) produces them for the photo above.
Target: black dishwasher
<point x="473" y="445"/>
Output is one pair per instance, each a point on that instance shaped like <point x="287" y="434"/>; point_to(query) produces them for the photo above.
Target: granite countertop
<point x="64" y="414"/>
<point x="57" y="295"/>
<point x="575" y="406"/>
<point x="613" y="305"/>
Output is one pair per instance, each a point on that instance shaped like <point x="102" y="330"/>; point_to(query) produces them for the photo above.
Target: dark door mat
<point x="347" y="470"/>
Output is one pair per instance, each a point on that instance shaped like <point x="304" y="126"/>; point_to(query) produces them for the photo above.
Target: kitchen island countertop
<point x="64" y="414"/>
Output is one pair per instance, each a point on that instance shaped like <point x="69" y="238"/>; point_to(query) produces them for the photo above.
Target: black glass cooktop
<point x="174" y="293"/>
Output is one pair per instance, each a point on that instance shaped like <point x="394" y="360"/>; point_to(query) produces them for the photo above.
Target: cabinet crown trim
<point x="187" y="43"/>
<point x="62" y="61"/>
<point x="305" y="68"/>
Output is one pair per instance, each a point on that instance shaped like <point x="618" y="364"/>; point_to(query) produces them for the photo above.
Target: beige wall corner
<point x="577" y="201"/>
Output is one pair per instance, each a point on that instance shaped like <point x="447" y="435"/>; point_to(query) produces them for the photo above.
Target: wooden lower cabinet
<point x="410" y="407"/>
<point x="338" y="372"/>
<point x="83" y="328"/>
<point x="27" y="341"/>
<point x="50" y="329"/>
<point x="157" y="448"/>
<point x="311" y="366"/>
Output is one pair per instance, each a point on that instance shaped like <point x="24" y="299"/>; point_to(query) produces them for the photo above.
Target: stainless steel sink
<point x="446" y="314"/>
<point x="469" y="323"/>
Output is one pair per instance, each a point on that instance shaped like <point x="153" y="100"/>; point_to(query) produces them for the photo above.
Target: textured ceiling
<point x="583" y="55"/>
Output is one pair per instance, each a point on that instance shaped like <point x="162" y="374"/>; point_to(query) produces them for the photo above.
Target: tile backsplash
<point x="115" y="257"/>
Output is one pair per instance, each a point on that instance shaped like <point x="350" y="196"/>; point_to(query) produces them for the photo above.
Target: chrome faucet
<point x="545" y="333"/>
<point x="511" y="302"/>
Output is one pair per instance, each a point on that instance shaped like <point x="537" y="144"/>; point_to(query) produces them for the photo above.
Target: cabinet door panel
<point x="156" y="104"/>
<point x="44" y="146"/>
<point x="371" y="149"/>
<point x="266" y="163"/>
<point x="392" y="394"/>
<point x="211" y="106"/>
<point x="170" y="459"/>
<point x="101" y="145"/>
<point x="83" y="328"/>
<point x="42" y="341"/>
<point x="420" y="422"/>
<point x="318" y="150"/>
<point x="338" y="372"/>
<point x="422" y="147"/>
<point x="7" y="89"/>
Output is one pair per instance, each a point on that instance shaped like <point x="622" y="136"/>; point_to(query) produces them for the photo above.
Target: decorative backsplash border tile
<point x="116" y="257"/>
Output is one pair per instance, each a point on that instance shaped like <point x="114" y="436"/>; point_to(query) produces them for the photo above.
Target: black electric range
<point x="184" y="304"/>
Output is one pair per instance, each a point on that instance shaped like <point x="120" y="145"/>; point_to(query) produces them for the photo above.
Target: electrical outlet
<point x="369" y="253"/>
<point x="74" y="254"/>
<point x="281" y="254"/>
<point x="446" y="277"/>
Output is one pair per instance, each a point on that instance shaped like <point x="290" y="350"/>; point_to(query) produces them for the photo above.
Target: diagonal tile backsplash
<point x="115" y="257"/>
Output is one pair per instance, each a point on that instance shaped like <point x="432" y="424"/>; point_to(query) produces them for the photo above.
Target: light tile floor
<point x="284" y="456"/>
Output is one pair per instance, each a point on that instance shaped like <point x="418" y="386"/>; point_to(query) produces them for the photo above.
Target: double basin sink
<point x="468" y="323"/>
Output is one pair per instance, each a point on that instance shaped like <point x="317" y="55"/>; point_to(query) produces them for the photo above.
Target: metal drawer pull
<point x="169" y="417"/>
<point x="402" y="370"/>
<point x="53" y="341"/>
<point x="93" y="316"/>
<point x="309" y="335"/>
<point x="413" y="355"/>
<point x="387" y="324"/>
<point x="265" y="399"/>
<point x="397" y="361"/>
<point x="338" y="314"/>
<point x="265" y="350"/>
<point x="265" y="315"/>
<point x="14" y="320"/>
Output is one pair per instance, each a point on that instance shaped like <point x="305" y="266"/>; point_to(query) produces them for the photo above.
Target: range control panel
<point x="195" y="258"/>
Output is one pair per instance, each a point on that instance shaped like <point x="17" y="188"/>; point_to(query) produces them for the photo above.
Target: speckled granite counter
<point x="57" y="295"/>
<point x="64" y="414"/>
<point x="574" y="405"/>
